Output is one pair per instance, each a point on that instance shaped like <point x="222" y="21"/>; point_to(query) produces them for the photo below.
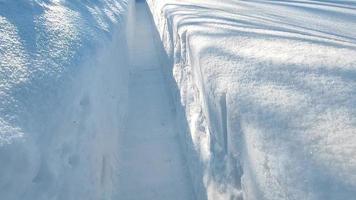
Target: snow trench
<point x="264" y="94"/>
<point x="63" y="97"/>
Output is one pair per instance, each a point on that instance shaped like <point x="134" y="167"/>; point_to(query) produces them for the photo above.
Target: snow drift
<point x="266" y="91"/>
<point x="63" y="90"/>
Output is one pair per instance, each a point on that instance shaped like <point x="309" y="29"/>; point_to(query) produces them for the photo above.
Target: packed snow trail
<point x="151" y="162"/>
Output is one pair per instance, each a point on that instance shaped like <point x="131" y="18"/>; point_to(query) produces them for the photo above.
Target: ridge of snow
<point x="63" y="95"/>
<point x="266" y="91"/>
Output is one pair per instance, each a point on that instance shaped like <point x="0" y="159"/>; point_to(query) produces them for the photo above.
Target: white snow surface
<point x="151" y="163"/>
<point x="63" y="96"/>
<point x="266" y="91"/>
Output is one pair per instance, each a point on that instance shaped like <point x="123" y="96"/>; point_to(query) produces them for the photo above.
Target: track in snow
<point x="151" y="162"/>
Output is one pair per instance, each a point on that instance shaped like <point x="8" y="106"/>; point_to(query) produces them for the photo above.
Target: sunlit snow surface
<point x="61" y="94"/>
<point x="266" y="91"/>
<point x="269" y="95"/>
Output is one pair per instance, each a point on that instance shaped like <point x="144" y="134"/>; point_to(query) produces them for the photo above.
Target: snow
<point x="266" y="93"/>
<point x="63" y="96"/>
<point x="151" y="163"/>
<point x="179" y="100"/>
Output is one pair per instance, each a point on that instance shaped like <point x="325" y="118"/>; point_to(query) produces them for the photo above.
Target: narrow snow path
<point x="151" y="163"/>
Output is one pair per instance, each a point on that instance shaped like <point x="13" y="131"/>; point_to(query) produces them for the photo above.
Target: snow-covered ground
<point x="267" y="93"/>
<point x="264" y="93"/>
<point x="63" y="96"/>
<point x="151" y="163"/>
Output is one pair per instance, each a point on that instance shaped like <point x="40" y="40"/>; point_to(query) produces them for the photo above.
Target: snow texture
<point x="63" y="96"/>
<point x="151" y="163"/>
<point x="266" y="91"/>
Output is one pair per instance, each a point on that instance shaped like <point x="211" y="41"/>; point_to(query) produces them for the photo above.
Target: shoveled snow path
<point x="151" y="162"/>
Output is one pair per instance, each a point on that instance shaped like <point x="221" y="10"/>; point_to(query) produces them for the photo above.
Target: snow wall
<point x="63" y="95"/>
<point x="266" y="92"/>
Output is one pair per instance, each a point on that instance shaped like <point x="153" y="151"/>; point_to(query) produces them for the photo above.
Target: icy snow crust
<point x="63" y="90"/>
<point x="268" y="90"/>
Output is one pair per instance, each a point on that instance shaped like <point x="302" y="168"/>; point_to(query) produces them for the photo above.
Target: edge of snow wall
<point x="215" y="173"/>
<point x="59" y="126"/>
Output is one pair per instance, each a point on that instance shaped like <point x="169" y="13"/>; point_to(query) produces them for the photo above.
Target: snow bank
<point x="268" y="92"/>
<point x="63" y="90"/>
